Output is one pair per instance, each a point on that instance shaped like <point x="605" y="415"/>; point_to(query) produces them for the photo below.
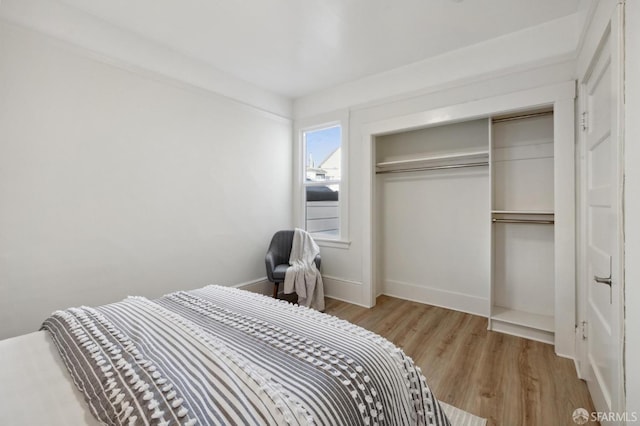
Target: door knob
<point x="602" y="280"/>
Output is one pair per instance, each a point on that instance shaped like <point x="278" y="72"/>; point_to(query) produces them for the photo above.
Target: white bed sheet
<point x="35" y="386"/>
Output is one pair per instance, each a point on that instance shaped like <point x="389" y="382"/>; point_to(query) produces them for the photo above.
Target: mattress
<point x="35" y="386"/>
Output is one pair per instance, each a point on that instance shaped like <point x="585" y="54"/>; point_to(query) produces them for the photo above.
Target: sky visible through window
<point x="320" y="144"/>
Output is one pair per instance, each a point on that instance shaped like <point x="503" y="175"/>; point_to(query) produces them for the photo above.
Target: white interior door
<point x="603" y="289"/>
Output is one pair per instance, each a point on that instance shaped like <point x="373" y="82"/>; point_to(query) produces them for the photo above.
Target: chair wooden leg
<point x="275" y="290"/>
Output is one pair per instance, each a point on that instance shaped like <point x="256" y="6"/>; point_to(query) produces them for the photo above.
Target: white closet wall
<point x="522" y="163"/>
<point x="433" y="222"/>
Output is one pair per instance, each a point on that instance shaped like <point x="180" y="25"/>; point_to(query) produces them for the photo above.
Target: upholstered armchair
<point x="277" y="258"/>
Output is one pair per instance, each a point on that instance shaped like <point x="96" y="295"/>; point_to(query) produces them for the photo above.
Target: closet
<point x="465" y="218"/>
<point x="522" y="299"/>
<point x="433" y="210"/>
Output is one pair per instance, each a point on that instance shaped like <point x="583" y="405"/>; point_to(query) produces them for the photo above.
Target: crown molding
<point x="119" y="47"/>
<point x="553" y="42"/>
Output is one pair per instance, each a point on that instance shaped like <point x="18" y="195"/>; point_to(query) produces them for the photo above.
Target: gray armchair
<point x="277" y="258"/>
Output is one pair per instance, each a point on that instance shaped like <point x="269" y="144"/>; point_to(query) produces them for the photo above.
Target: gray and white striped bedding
<point x="223" y="356"/>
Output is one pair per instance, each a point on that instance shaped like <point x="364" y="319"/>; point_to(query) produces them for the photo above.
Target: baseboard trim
<point x="437" y="297"/>
<point x="577" y="366"/>
<point x="344" y="290"/>
<point x="351" y="292"/>
<point x="334" y="288"/>
<point x="260" y="285"/>
<point x="347" y="301"/>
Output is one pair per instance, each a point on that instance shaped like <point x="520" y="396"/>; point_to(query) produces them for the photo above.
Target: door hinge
<point x="583" y="121"/>
<point x="584" y="329"/>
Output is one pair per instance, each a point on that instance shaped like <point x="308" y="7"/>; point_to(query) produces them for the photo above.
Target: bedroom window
<point x="322" y="179"/>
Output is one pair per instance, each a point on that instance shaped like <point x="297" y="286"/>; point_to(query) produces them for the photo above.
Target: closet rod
<point x="520" y="117"/>
<point x="420" y="169"/>
<point x="532" y="221"/>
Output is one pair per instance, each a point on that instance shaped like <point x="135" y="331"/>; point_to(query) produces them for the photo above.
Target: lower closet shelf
<point x="523" y="324"/>
<point x="527" y="319"/>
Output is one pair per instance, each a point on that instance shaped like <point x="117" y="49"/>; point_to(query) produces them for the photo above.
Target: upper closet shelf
<point x="435" y="162"/>
<point x="542" y="212"/>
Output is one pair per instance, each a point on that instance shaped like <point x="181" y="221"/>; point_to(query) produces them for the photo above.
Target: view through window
<point x="322" y="181"/>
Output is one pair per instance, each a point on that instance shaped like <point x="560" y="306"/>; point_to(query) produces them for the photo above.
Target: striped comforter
<point x="224" y="356"/>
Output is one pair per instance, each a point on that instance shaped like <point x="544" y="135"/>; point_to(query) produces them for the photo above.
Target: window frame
<point x="318" y="123"/>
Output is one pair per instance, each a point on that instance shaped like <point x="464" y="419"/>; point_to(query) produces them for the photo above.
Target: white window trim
<point x="338" y="118"/>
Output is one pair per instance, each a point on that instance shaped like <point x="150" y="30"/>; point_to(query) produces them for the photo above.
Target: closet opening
<point x="433" y="203"/>
<point x="522" y="216"/>
<point x="471" y="207"/>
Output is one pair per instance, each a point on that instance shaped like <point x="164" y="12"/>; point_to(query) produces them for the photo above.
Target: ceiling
<point x="296" y="47"/>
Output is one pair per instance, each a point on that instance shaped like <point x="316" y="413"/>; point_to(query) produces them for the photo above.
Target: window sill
<point x="332" y="243"/>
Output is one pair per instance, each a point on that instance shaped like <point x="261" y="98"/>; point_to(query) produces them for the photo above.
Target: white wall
<point x="345" y="264"/>
<point x="632" y="205"/>
<point x="130" y="51"/>
<point x="115" y="183"/>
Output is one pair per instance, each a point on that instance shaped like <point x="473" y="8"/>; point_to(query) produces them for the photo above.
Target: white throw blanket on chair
<point x="303" y="276"/>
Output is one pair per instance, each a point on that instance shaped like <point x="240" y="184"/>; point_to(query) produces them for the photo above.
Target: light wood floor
<point x="508" y="380"/>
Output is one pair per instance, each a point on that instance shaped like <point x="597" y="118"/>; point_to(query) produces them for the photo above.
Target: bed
<point x="216" y="355"/>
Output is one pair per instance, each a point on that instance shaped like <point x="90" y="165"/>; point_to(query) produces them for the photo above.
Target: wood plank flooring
<point x="508" y="380"/>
